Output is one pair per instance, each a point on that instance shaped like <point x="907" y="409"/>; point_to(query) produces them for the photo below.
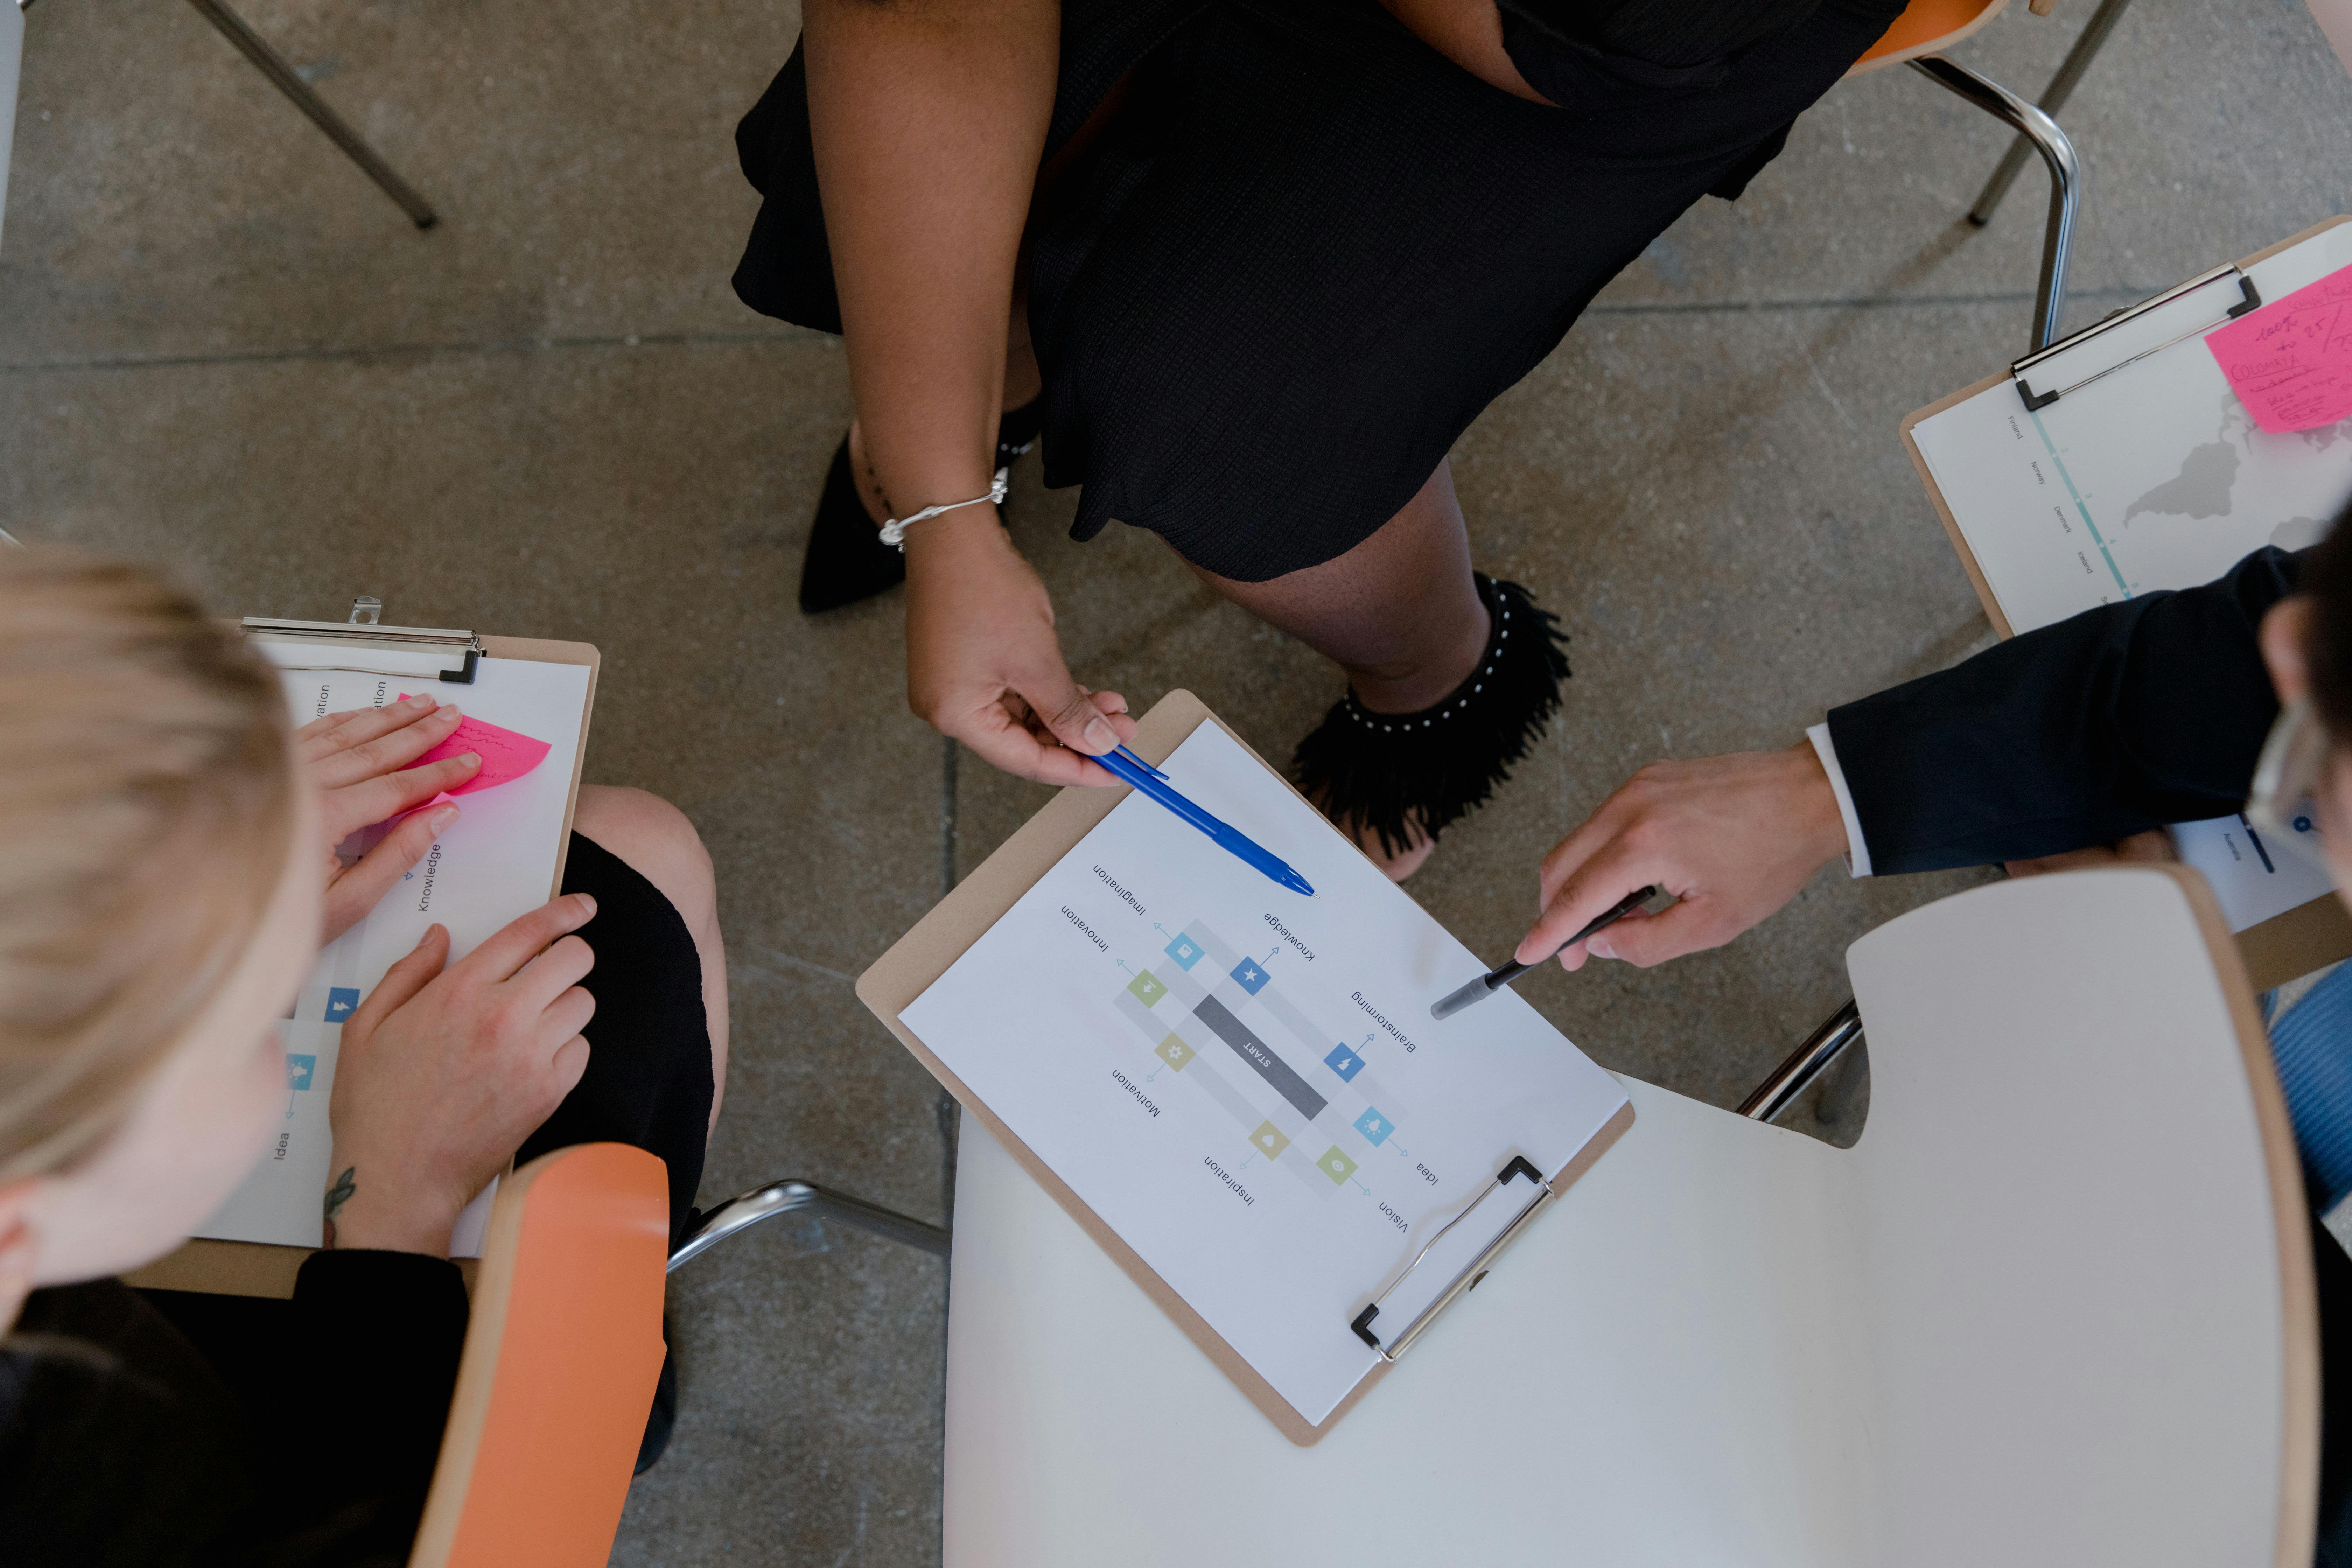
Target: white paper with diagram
<point x="2155" y="477"/>
<point x="1243" y="1082"/>
<point x="495" y="862"/>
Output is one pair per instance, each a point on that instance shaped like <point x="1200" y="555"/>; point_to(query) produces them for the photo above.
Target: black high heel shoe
<point x="846" y="560"/>
<point x="1408" y="776"/>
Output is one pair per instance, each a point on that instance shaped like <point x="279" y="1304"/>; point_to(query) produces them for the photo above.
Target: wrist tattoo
<point x="337" y="1196"/>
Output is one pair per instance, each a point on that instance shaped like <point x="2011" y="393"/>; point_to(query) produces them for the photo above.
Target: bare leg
<point x="660" y="845"/>
<point x="1398" y="613"/>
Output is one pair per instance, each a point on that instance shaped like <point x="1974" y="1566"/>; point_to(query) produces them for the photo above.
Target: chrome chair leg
<point x="2054" y="98"/>
<point x="790" y="1195"/>
<point x="1809" y="1061"/>
<point x="287" y="81"/>
<point x="2066" y="178"/>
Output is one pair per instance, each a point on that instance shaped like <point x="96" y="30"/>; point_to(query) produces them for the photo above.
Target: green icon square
<point x="1269" y="1140"/>
<point x="1174" y="1052"/>
<point x="1146" y="988"/>
<point x="1335" y="1165"/>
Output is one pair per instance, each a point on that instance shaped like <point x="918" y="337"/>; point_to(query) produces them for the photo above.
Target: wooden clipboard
<point x="262" y="1268"/>
<point x="2285" y="946"/>
<point x="978" y="903"/>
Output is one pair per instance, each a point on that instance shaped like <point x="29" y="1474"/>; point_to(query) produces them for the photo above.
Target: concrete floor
<point x="220" y="347"/>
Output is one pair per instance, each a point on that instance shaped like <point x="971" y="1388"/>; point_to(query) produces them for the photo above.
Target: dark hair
<point x="2326" y="578"/>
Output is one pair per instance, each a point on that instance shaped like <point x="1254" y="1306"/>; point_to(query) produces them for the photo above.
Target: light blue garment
<point x="2312" y="1044"/>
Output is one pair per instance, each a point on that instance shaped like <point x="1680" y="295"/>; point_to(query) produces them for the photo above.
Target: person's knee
<point x="657" y="841"/>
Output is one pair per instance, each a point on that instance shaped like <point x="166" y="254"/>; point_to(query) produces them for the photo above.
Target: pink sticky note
<point x="2290" y="363"/>
<point x="505" y="754"/>
<point x="441" y="799"/>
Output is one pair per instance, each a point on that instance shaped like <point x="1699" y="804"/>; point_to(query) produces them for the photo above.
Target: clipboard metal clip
<point x="2125" y="333"/>
<point x="439" y="653"/>
<point x="1470" y="1272"/>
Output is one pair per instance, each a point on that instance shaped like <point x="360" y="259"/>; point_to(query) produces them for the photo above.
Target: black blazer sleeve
<point x="2123" y="718"/>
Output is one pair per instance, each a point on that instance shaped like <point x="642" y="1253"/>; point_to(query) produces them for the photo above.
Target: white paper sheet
<point x="2253" y="877"/>
<point x="1245" y="1082"/>
<point x="2155" y="478"/>
<point x="498" y="861"/>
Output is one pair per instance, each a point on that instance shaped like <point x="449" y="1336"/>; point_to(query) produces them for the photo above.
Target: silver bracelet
<point x="894" y="532"/>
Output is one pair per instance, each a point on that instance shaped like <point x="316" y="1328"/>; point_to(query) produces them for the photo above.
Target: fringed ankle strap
<point x="1377" y="770"/>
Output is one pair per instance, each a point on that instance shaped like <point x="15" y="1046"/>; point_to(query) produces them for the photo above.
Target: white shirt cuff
<point x="1857" y="853"/>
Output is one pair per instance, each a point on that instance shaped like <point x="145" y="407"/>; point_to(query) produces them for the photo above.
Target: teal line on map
<point x="2060" y="463"/>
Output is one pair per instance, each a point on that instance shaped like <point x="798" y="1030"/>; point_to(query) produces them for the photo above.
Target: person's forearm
<point x="928" y="119"/>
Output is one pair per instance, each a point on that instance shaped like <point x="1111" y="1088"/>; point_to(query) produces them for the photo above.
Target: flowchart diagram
<point x="1255" y="1066"/>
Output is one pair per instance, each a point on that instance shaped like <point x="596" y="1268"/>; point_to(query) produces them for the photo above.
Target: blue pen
<point x="1148" y="780"/>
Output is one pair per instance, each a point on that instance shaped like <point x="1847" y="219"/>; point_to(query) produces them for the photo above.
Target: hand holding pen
<point x="1153" y="785"/>
<point x="1733" y="838"/>
<point x="983" y="665"/>
<point x="1493" y="980"/>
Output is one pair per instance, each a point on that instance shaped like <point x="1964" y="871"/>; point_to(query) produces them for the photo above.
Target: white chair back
<point x="2053" y="1309"/>
<point x="2085" y="1249"/>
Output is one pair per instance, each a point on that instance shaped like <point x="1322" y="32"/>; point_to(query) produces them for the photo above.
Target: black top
<point x="2118" y="720"/>
<point x="1306" y="249"/>
<point x="1672" y="33"/>
<point x="121" y="1444"/>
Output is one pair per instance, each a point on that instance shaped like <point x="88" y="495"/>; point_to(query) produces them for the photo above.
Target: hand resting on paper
<point x="445" y="1071"/>
<point x="361" y="764"/>
<point x="445" y="1068"/>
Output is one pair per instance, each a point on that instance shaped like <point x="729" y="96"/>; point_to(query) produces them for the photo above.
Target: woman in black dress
<point x="1250" y="269"/>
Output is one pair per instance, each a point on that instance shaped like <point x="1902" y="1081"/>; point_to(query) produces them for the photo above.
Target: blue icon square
<point x="1250" y="975"/>
<point x="1344" y="1062"/>
<point x="341" y="1000"/>
<point x="299" y="1070"/>
<point x="1375" y="1127"/>
<point x="1185" y="951"/>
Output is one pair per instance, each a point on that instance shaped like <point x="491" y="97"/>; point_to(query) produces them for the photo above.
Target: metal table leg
<point x="282" y="76"/>
<point x="2062" y="86"/>
<point x="2066" y="178"/>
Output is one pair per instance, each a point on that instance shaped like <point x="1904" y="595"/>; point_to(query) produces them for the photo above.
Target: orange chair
<point x="564" y="1347"/>
<point x="1925" y="28"/>
<point x="562" y="1351"/>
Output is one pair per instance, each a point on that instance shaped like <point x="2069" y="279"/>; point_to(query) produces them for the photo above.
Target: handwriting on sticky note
<point x="505" y="754"/>
<point x="2290" y="363"/>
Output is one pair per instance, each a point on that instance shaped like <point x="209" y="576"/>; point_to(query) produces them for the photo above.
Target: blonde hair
<point x="146" y="803"/>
